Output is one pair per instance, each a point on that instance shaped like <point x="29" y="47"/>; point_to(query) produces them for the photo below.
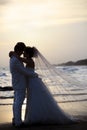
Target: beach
<point x="71" y="99"/>
<point x="6" y="119"/>
<point x="80" y="126"/>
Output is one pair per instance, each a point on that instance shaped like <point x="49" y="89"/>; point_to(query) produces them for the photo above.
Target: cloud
<point x="4" y="2"/>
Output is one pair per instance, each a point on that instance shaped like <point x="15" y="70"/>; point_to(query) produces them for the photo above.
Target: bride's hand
<point x="11" y="53"/>
<point x="35" y="75"/>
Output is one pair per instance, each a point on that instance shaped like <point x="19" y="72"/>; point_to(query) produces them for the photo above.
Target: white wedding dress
<point x="41" y="107"/>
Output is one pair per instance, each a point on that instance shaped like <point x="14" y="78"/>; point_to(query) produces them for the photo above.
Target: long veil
<point x="69" y="93"/>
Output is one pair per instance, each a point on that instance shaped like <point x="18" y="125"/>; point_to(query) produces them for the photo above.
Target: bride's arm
<point x="11" y="53"/>
<point x="29" y="62"/>
<point x="24" y="60"/>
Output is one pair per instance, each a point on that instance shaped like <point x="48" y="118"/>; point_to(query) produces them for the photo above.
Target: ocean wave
<point x="79" y="94"/>
<point x="70" y="94"/>
<point x="4" y="97"/>
<point x="65" y="101"/>
<point x="70" y="69"/>
<point x="7" y="88"/>
<point x="3" y="74"/>
<point x="70" y="101"/>
<point x="5" y="104"/>
<point x="74" y="69"/>
<point x="60" y="98"/>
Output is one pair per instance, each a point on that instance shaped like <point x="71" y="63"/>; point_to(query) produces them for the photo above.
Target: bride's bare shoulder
<point x="30" y="63"/>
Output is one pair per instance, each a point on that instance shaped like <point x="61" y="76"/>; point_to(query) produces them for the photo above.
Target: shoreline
<point x="6" y="118"/>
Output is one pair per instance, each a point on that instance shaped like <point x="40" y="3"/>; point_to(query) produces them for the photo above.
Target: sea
<point x="74" y="102"/>
<point x="6" y="95"/>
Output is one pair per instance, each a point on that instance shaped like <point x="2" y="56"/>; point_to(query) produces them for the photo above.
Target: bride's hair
<point x="32" y="51"/>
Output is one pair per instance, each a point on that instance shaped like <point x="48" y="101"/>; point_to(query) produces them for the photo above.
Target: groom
<point x="19" y="73"/>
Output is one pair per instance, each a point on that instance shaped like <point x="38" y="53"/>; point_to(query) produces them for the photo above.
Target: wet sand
<point x="6" y="118"/>
<point x="79" y="126"/>
<point x="6" y="113"/>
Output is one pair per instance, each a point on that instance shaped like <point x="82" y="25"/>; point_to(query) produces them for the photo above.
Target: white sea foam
<point x="78" y="72"/>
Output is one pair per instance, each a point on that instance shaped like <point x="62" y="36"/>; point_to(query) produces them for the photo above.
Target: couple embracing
<point x="40" y="105"/>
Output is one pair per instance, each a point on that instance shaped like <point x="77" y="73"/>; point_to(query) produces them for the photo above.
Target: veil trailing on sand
<point x="66" y="90"/>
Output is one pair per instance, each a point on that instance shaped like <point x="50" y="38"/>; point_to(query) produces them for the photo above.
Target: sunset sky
<point x="58" y="28"/>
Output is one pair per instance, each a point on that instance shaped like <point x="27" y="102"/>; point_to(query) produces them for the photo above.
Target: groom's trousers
<point x="19" y="96"/>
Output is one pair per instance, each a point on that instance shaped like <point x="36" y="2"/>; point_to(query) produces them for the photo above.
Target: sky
<point x="58" y="28"/>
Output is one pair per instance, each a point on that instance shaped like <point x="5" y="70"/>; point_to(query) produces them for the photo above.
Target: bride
<point x="41" y="107"/>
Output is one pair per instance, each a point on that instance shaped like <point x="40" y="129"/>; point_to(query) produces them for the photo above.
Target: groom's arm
<point x="20" y="68"/>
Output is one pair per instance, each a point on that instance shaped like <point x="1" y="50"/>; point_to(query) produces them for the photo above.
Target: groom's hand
<point x="35" y="75"/>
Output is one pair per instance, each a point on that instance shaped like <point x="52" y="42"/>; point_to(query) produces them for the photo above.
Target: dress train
<point x="41" y="107"/>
